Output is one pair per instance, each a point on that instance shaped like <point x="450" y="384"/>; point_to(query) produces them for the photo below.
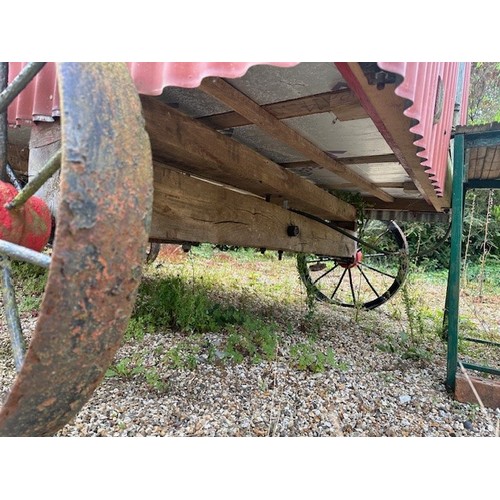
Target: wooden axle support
<point x="186" y="208"/>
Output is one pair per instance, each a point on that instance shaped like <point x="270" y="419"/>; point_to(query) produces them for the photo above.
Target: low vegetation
<point x="244" y="297"/>
<point x="239" y="306"/>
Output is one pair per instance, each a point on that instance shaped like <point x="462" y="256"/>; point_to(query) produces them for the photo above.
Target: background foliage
<point x="424" y="238"/>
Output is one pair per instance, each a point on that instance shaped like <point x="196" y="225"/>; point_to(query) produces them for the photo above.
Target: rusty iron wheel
<point x="98" y="251"/>
<point x="367" y="282"/>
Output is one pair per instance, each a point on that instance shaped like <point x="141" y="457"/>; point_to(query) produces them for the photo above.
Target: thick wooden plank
<point x="484" y="139"/>
<point x="189" y="209"/>
<point x="17" y="156"/>
<point x="343" y="103"/>
<point x="407" y="186"/>
<point x="483" y="163"/>
<point x="195" y="148"/>
<point x="487" y="390"/>
<point x="410" y="204"/>
<point x="245" y="106"/>
<point x="353" y="160"/>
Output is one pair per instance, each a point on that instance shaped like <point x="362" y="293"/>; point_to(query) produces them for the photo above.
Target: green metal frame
<point x="453" y="290"/>
<point x="452" y="306"/>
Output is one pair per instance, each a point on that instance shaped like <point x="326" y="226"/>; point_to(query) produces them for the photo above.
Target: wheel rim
<point x="99" y="247"/>
<point x="368" y="281"/>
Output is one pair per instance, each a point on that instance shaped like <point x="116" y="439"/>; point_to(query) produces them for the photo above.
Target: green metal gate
<point x="470" y="144"/>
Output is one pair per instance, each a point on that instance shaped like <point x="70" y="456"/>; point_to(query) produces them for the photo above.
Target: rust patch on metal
<point x="100" y="243"/>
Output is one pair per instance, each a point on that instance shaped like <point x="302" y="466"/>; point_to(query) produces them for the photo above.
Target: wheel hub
<point x="358" y="258"/>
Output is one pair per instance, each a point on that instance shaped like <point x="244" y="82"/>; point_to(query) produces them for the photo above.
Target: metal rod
<point x="481" y="341"/>
<point x="12" y="315"/>
<point x="453" y="288"/>
<point x="36" y="182"/>
<point x="377" y="270"/>
<point x="19" y="83"/>
<point x="368" y="281"/>
<point x="4" y="78"/>
<point x="338" y="284"/>
<point x="17" y="252"/>
<point x="325" y="273"/>
<point x="352" y="286"/>
<point x="13" y="177"/>
<point x="480" y="368"/>
<point x="347" y="233"/>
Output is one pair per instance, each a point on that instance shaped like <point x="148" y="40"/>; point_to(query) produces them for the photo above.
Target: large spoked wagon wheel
<point x="377" y="272"/>
<point x="97" y="255"/>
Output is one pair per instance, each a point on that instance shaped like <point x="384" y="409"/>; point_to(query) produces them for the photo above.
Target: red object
<point x="29" y="225"/>
<point x="358" y="258"/>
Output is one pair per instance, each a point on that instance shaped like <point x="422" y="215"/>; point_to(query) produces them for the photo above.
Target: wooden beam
<point x="343" y="103"/>
<point x="245" y="106"/>
<point x="353" y="160"/>
<point x="407" y="186"/>
<point x="18" y="156"/>
<point x="189" y="209"/>
<point x="410" y="204"/>
<point x="387" y="112"/>
<point x="487" y="390"/>
<point x="190" y="146"/>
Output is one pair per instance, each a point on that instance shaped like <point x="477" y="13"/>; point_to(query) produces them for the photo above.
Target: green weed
<point x="131" y="367"/>
<point x="184" y="356"/>
<point x="171" y="302"/>
<point x="305" y="356"/>
<point x="253" y="339"/>
<point x="30" y="281"/>
<point x="125" y="368"/>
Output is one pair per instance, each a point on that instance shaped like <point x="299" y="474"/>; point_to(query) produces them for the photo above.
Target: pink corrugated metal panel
<point x="421" y="84"/>
<point x="152" y="78"/>
<point x="40" y="100"/>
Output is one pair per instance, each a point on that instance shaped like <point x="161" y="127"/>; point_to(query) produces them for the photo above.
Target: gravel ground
<point x="368" y="393"/>
<point x="378" y="395"/>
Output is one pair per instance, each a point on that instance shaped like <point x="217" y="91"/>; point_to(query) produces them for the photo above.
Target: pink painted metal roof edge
<point x="430" y="86"/>
<point x="40" y="100"/>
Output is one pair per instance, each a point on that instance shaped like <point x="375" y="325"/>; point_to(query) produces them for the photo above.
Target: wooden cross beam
<point x="248" y="108"/>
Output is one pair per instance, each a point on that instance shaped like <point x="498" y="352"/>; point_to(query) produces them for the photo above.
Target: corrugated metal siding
<point x="429" y="87"/>
<point x="40" y="100"/>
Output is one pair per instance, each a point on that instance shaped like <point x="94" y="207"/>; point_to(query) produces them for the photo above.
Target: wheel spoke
<point x="52" y="166"/>
<point x="18" y="252"/>
<point x="338" y="284"/>
<point x="377" y="270"/>
<point x="12" y="177"/>
<point x="352" y="286"/>
<point x="368" y="281"/>
<point x="380" y="236"/>
<point x="19" y="83"/>
<point x="12" y="315"/>
<point x="325" y="273"/>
